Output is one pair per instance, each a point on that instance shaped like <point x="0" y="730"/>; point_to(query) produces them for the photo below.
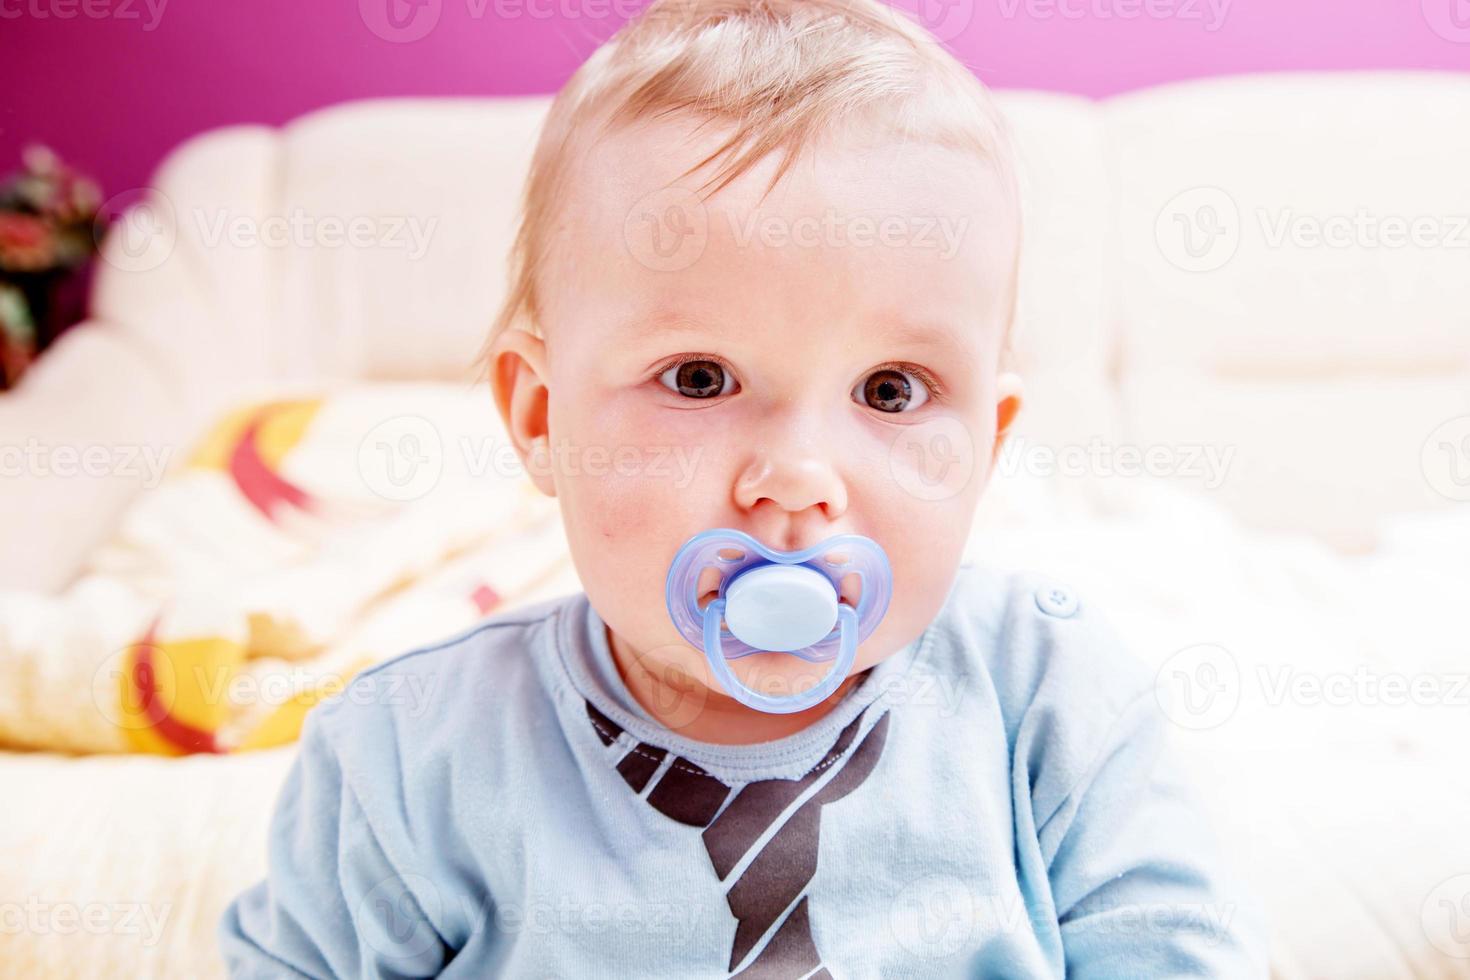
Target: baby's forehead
<point x="857" y="198"/>
<point x="873" y="229"/>
<point x="863" y="168"/>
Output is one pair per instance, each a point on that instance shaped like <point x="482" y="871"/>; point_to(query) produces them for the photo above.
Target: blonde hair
<point x="782" y="71"/>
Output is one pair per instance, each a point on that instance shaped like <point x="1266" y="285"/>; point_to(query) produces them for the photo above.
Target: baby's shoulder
<point x="456" y="702"/>
<point x="478" y="664"/>
<point x="1042" y="645"/>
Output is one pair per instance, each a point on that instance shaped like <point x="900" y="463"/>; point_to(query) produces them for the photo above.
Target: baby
<point x="779" y="237"/>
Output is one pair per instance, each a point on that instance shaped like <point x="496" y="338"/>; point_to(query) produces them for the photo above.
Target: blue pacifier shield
<point x="778" y="601"/>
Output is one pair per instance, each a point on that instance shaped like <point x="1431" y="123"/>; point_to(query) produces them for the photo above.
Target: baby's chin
<point x="675" y="681"/>
<point x="779" y="675"/>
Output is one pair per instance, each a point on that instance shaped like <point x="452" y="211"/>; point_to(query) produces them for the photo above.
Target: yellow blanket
<point x="298" y="541"/>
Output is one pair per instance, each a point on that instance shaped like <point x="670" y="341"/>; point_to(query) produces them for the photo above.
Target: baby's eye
<point x="697" y="379"/>
<point x="891" y="390"/>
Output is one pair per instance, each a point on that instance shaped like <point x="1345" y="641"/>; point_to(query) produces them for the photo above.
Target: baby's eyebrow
<point x="891" y="331"/>
<point x="663" y="322"/>
<point x="940" y="337"/>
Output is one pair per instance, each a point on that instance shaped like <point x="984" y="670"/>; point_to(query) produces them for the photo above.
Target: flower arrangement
<point x="47" y="215"/>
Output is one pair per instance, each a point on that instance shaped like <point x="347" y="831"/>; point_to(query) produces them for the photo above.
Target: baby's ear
<point x="1009" y="392"/>
<point x="517" y="379"/>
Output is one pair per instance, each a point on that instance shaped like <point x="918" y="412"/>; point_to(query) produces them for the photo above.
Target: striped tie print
<point x="772" y="883"/>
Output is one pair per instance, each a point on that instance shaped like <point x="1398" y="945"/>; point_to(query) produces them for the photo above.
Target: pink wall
<point x="113" y="84"/>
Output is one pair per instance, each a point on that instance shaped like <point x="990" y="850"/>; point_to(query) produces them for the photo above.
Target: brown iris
<point x="700" y="379"/>
<point x="887" y="391"/>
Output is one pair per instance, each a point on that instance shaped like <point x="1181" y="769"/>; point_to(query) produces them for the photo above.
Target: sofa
<point x="1244" y="327"/>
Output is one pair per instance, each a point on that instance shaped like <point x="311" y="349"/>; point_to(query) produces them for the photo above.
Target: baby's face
<point x="819" y="363"/>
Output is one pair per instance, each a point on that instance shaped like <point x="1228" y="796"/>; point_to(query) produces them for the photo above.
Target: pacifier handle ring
<point x="841" y="664"/>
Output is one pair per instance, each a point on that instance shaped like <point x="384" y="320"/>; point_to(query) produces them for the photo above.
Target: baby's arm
<point x="333" y="903"/>
<point x="1113" y="849"/>
<point x="1139" y="883"/>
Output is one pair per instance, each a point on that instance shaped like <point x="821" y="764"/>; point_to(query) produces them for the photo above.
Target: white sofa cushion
<point x="1326" y="367"/>
<point x="440" y="180"/>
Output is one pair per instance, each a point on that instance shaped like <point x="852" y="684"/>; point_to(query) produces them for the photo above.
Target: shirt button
<point x="1054" y="600"/>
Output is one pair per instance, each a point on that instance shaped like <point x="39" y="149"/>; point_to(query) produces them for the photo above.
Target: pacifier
<point x="778" y="601"/>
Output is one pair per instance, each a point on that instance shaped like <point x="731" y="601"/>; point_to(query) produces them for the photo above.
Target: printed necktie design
<point x="776" y="876"/>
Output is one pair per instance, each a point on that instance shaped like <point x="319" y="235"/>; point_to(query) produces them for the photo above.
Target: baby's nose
<point x="794" y="482"/>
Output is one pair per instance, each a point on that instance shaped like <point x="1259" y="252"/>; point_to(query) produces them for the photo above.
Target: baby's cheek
<point x="625" y="507"/>
<point x="625" y="531"/>
<point x="925" y="541"/>
<point x="651" y="487"/>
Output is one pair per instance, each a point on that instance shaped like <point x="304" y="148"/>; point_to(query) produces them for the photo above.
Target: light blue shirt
<point x="995" y="799"/>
